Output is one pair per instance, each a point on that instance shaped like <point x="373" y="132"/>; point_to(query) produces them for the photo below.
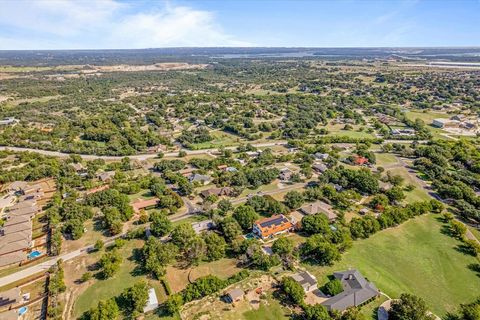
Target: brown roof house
<point x="225" y="191"/>
<point x="319" y="207"/>
<point x="356" y="291"/>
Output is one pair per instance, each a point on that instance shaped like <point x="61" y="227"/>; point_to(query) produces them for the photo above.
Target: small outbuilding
<point x="234" y="295"/>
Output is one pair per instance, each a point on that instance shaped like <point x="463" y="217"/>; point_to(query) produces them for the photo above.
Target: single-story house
<point x="225" y="191"/>
<point x="17" y="186"/>
<point x="144" y="204"/>
<point x="269" y="227"/>
<point x="204" y="179"/>
<point x="319" y="207"/>
<point x="234" y="295"/>
<point x="319" y="167"/>
<point x="97" y="189"/>
<point x="306" y="280"/>
<point x="356" y="291"/>
<point x="106" y="176"/>
<point x="445" y="123"/>
<point x="360" y="161"/>
<point x="321" y="156"/>
<point x="201" y="226"/>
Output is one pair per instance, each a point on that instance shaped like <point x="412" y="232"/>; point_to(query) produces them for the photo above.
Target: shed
<point x="234" y="295"/>
<point x="152" y="302"/>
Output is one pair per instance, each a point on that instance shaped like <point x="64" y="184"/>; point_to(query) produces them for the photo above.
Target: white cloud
<point x="63" y="24"/>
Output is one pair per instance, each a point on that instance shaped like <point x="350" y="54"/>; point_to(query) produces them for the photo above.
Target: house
<point x="97" y="189"/>
<point x="306" y="280"/>
<point x="285" y="174"/>
<point x="234" y="295"/>
<point x="269" y="227"/>
<point x="10" y="297"/>
<point x="106" y="176"/>
<point x="144" y="204"/>
<point x="203" y="179"/>
<point x="152" y="302"/>
<point x="445" y="123"/>
<point x="231" y="169"/>
<point x="225" y="191"/>
<point x="319" y="207"/>
<point x="12" y="258"/>
<point x="9" y="121"/>
<point x="321" y="156"/>
<point x="360" y="161"/>
<point x="17" y="186"/>
<point x="201" y="226"/>
<point x="319" y="167"/>
<point x="78" y="167"/>
<point x="356" y="291"/>
<point x="458" y="117"/>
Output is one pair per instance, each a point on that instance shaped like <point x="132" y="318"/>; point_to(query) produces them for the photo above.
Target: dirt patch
<point x="153" y="67"/>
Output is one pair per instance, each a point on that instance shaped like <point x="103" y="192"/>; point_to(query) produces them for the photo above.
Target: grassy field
<point x="426" y="116"/>
<point x="272" y="310"/>
<point x="384" y="159"/>
<point x="220" y="139"/>
<point x="112" y="287"/>
<point x="415" y="257"/>
<point x="178" y="278"/>
<point x="418" y="194"/>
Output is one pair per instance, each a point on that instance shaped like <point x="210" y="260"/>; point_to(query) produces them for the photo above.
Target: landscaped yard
<point x="415" y="257"/>
<point x="337" y="130"/>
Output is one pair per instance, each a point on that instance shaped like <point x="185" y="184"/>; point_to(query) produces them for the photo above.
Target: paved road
<point x="137" y="156"/>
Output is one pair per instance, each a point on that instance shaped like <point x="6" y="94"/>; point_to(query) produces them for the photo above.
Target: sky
<point x="121" y="24"/>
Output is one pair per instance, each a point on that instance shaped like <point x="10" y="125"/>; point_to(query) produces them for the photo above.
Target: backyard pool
<point x="34" y="254"/>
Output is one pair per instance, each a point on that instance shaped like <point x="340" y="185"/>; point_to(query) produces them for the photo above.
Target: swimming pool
<point x="34" y="254"/>
<point x="22" y="311"/>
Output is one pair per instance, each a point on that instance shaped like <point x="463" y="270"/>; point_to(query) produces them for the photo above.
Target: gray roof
<point x="356" y="291"/>
<point x="199" y="177"/>
<point x="305" y="277"/>
<point x="319" y="207"/>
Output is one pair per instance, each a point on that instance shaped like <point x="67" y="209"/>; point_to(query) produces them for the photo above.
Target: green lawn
<point x="418" y="194"/>
<point x="272" y="311"/>
<point x="415" y="257"/>
<point x="106" y="289"/>
<point x="426" y="116"/>
<point x="384" y="159"/>
<point x="220" y="139"/>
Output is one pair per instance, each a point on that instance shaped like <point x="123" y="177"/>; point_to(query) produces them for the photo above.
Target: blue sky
<point x="84" y="24"/>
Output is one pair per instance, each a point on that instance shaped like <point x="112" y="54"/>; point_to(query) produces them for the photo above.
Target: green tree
<point x="105" y="310"/>
<point x="294" y="199"/>
<point x="182" y="235"/>
<point x="316" y="312"/>
<point x="316" y="223"/>
<point x="174" y="303"/>
<point x="293" y="290"/>
<point x="283" y="246"/>
<point x="216" y="246"/>
<point x="110" y="263"/>
<point x="135" y="298"/>
<point x="245" y="216"/>
<point x="333" y="287"/>
<point x="409" y="307"/>
<point x="160" y="225"/>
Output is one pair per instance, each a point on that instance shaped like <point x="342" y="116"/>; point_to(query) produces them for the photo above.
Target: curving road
<point x="135" y="156"/>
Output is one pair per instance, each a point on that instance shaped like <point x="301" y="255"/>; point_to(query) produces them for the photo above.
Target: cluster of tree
<point x="201" y="287"/>
<point x="130" y="302"/>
